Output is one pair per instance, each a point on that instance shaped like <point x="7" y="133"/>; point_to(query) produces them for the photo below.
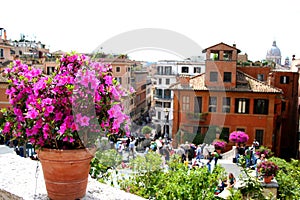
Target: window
<point x="168" y="70"/>
<point x="197" y="69"/>
<point x="227" y="77"/>
<point x="159" y="93"/>
<point x="158" y="115"/>
<point x="118" y="69"/>
<point x="158" y="104"/>
<point x="138" y="98"/>
<point x="240" y="129"/>
<point x="159" y="81"/>
<point x="1" y="53"/>
<point x="226" y="105"/>
<point x="284" y="79"/>
<point x="185" y="69"/>
<point x="212" y="107"/>
<point x="128" y="80"/>
<point x="261" y="106"/>
<point x="213" y="76"/>
<point x="227" y="55"/>
<point x="198" y="105"/>
<point x="50" y="70"/>
<point x="159" y="69"/>
<point x="167" y="105"/>
<point x="186" y="103"/>
<point x="128" y="69"/>
<point x="242" y="106"/>
<point x="131" y="101"/>
<point x="259" y="136"/>
<point x="214" y="55"/>
<point x="148" y="91"/>
<point x="225" y="134"/>
<point x="167" y="94"/>
<point x="12" y="52"/>
<point x="119" y="79"/>
<point x="260" y="77"/>
<point x="167" y="81"/>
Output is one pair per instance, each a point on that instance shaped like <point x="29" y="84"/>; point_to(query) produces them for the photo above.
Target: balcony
<point x="162" y="97"/>
<point x="196" y="116"/>
<point x="166" y="73"/>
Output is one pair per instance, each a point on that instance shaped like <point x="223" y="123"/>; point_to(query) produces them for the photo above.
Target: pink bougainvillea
<point x="238" y="137"/>
<point x="51" y="111"/>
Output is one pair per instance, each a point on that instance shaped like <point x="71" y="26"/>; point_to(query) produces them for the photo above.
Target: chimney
<point x="4" y="35"/>
<point x="234" y="45"/>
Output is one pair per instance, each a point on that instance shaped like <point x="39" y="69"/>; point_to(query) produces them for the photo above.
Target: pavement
<point x="5" y="149"/>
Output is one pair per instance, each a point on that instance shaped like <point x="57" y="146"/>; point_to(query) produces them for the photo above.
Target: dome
<point x="274" y="50"/>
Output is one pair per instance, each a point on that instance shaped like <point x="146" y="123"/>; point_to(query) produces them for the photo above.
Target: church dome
<point x="274" y="50"/>
<point x="274" y="54"/>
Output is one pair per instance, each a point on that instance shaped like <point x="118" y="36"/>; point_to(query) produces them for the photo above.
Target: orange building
<point x="225" y="99"/>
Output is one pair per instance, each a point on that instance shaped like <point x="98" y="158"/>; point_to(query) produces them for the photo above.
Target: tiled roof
<point x="245" y="83"/>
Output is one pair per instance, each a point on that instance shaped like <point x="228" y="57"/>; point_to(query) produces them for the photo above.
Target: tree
<point x="146" y="130"/>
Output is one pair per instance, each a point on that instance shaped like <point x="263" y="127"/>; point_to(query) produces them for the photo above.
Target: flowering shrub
<point x="264" y="150"/>
<point x="267" y="168"/>
<point x="59" y="111"/>
<point x="238" y="137"/>
<point x="219" y="144"/>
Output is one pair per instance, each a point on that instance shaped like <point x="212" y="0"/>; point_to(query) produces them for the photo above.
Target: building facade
<point x="225" y="98"/>
<point x="167" y="74"/>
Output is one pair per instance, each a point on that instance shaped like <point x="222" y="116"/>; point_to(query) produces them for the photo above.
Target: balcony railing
<point x="196" y="116"/>
<point x="166" y="73"/>
<point x="162" y="97"/>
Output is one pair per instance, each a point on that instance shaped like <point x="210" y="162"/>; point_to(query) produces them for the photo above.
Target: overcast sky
<point x="84" y="25"/>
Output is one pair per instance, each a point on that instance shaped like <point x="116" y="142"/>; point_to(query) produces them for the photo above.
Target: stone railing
<point x="229" y="155"/>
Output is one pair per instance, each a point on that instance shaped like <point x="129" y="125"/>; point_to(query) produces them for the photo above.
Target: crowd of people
<point x="248" y="152"/>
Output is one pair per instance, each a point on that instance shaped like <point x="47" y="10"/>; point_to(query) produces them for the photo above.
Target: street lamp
<point x="166" y="135"/>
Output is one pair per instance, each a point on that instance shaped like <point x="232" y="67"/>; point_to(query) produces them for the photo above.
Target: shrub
<point x="179" y="182"/>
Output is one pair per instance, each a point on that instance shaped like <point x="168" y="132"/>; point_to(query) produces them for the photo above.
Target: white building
<point x="166" y="75"/>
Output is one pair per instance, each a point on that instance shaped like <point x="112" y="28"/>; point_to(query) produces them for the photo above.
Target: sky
<point x="84" y="25"/>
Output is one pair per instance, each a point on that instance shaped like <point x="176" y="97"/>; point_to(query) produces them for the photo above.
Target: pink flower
<point x="108" y="80"/>
<point x="132" y="90"/>
<point x="84" y="121"/>
<point x="50" y="109"/>
<point x="32" y="114"/>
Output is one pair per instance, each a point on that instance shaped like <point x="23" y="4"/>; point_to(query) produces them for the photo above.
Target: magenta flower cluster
<point x="219" y="144"/>
<point x="267" y="168"/>
<point x="238" y="137"/>
<point x="50" y="111"/>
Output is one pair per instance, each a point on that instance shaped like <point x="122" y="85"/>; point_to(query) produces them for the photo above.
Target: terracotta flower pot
<point x="65" y="172"/>
<point x="268" y="179"/>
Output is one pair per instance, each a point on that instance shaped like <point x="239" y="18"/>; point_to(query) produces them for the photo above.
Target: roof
<point x="221" y="43"/>
<point x="245" y="83"/>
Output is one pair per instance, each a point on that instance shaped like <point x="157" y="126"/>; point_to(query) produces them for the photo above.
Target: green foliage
<point x="252" y="187"/>
<point x="148" y="163"/>
<point x="198" y="139"/>
<point x="146" y="130"/>
<point x="288" y="178"/>
<point x="102" y="162"/>
<point x="178" y="182"/>
<point x="210" y="134"/>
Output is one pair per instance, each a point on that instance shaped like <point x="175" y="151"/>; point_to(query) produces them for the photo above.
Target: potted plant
<point x="219" y="145"/>
<point x="264" y="150"/>
<point x="60" y="113"/>
<point x="238" y="137"/>
<point x="268" y="170"/>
